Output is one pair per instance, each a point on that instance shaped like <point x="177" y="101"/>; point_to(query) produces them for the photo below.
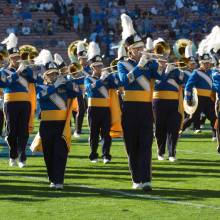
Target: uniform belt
<point x="171" y="95"/>
<point x="204" y="92"/>
<point x="53" y="115"/>
<point x="16" y="97"/>
<point x="137" y="96"/>
<point x="98" y="102"/>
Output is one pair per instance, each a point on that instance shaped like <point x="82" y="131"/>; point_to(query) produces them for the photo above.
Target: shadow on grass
<point x="43" y="193"/>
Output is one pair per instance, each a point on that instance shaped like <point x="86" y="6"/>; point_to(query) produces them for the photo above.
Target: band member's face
<point x="14" y="60"/>
<point x="51" y="78"/>
<point x="205" y="65"/>
<point x="162" y="64"/>
<point x="192" y="65"/>
<point x="97" y="70"/>
<point x="83" y="61"/>
<point x="135" y="53"/>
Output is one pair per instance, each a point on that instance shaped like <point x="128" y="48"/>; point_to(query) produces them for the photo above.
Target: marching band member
<point x="17" y="107"/>
<point x="97" y="88"/>
<point x="137" y="118"/>
<point x="191" y="65"/>
<point x="201" y="79"/>
<point x="53" y="96"/>
<point x="79" y="79"/>
<point x="167" y="110"/>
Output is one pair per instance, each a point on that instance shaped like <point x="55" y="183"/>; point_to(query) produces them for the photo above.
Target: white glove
<point x="170" y="67"/>
<point x="143" y="60"/>
<point x="104" y="75"/>
<point x="21" y="67"/>
<point x="59" y="81"/>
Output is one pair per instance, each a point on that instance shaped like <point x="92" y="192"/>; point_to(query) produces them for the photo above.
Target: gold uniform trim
<point x="99" y="102"/>
<point x="53" y="115"/>
<point x="137" y="96"/>
<point x="171" y="95"/>
<point x="204" y="92"/>
<point x="16" y="97"/>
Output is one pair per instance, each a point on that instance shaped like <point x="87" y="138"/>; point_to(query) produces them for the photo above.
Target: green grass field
<point x="187" y="189"/>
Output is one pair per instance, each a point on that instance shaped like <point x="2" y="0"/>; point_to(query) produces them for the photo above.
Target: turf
<point x="187" y="189"/>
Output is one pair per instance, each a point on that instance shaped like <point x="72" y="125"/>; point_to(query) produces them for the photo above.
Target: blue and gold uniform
<point x="54" y="104"/>
<point x="168" y="112"/>
<point x="99" y="116"/>
<point x="137" y="116"/>
<point x="17" y="108"/>
<point x="202" y="81"/>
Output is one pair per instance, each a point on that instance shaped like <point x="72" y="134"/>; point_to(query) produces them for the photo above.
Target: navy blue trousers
<point x="54" y="149"/>
<point x="137" y="124"/>
<point x="206" y="106"/>
<point x="99" y="119"/>
<point x="167" y="123"/>
<point x="79" y="116"/>
<point x="17" y="116"/>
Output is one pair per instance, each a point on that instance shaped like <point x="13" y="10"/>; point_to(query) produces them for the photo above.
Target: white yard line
<point x="200" y="153"/>
<point x="119" y="192"/>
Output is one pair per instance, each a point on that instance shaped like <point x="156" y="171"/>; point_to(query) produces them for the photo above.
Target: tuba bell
<point x="72" y="51"/>
<point x="162" y="48"/>
<point x="180" y="46"/>
<point x="28" y="52"/>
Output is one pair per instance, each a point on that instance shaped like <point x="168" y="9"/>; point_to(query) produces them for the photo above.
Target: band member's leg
<point x="145" y="141"/>
<point x="130" y="129"/>
<point x="94" y="124"/>
<point x="1" y="121"/>
<point x="210" y="113"/>
<point x="105" y="134"/>
<point x="60" y="153"/>
<point x="80" y="114"/>
<point x="23" y="133"/>
<point x="11" y="118"/>
<point x="46" y="135"/>
<point x="160" y="118"/>
<point x="173" y="129"/>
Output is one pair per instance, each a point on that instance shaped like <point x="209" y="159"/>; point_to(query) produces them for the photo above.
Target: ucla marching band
<point x="148" y="91"/>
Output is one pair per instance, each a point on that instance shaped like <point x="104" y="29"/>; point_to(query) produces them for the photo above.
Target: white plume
<point x="149" y="44"/>
<point x="43" y="58"/>
<point x="214" y="39"/>
<point x="93" y="50"/>
<point x="121" y="52"/>
<point x="11" y="41"/>
<point x="58" y="59"/>
<point x="81" y="46"/>
<point x="188" y="51"/>
<point x="127" y="26"/>
<point x="203" y="47"/>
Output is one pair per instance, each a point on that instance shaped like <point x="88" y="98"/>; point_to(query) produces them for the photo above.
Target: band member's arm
<point x="73" y="89"/>
<point x="191" y="83"/>
<point x="126" y="77"/>
<point x="113" y="81"/>
<point x="7" y="77"/>
<point x="216" y="82"/>
<point x="90" y="86"/>
<point x="43" y="91"/>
